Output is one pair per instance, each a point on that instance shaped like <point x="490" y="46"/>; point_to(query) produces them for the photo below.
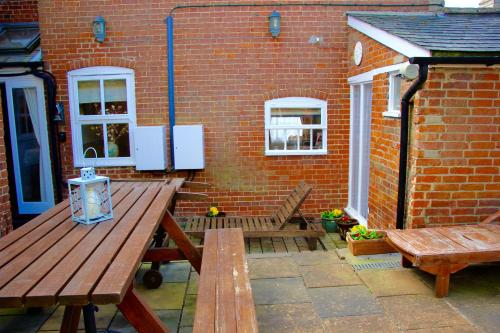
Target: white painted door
<point x="359" y="154"/>
<point x="29" y="144"/>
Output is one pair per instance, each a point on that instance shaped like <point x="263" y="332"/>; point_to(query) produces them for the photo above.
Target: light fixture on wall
<point x="99" y="28"/>
<point x="274" y="23"/>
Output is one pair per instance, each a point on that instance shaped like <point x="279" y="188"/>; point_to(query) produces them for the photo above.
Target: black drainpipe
<point x="423" y="63"/>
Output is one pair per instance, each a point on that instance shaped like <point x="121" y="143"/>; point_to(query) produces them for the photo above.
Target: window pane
<point x="276" y="140"/>
<point x="295" y="117"/>
<point x="118" y="140"/>
<point x="305" y="140"/>
<point x="292" y="140"/>
<point x="89" y="97"/>
<point x="92" y="136"/>
<point x="317" y="138"/>
<point x="115" y="96"/>
<point x="396" y="93"/>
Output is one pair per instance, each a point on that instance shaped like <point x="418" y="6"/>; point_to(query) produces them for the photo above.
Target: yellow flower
<point x="214" y="211"/>
<point x="338" y="212"/>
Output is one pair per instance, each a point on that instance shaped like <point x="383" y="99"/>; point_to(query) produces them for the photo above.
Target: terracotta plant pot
<point x="369" y="246"/>
<point x="330" y="225"/>
<point x="344" y="226"/>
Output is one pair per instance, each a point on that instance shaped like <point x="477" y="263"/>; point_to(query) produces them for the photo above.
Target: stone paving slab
<point x="169" y="296"/>
<point x="487" y="316"/>
<point x="175" y="271"/>
<point x="272" y="268"/>
<point x="288" y="318"/>
<point x="394" y="282"/>
<point x="412" y="312"/>
<point x="169" y="317"/>
<point x="344" y="301"/>
<point x="279" y="291"/>
<point x="188" y="311"/>
<point x="193" y="283"/>
<point x="359" y="324"/>
<point x="316" y="258"/>
<point x="355" y="260"/>
<point x="329" y="275"/>
<point x="447" y="329"/>
<point x="23" y="323"/>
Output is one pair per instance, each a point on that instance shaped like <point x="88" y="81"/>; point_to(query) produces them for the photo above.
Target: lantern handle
<point x="85" y="153"/>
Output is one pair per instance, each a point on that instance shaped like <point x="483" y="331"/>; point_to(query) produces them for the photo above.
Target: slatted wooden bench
<point x="272" y="226"/>
<point x="446" y="250"/>
<point x="224" y="302"/>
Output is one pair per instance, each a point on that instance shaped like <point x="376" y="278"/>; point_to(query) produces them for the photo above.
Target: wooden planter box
<point x="368" y="246"/>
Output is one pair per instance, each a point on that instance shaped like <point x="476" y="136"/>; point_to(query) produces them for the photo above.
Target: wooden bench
<point x="446" y="250"/>
<point x="271" y="226"/>
<point x="224" y="302"/>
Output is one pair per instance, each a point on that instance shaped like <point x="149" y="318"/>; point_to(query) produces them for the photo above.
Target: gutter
<point x="423" y="63"/>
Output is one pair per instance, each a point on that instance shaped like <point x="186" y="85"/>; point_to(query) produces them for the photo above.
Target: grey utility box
<point x="189" y="147"/>
<point x="151" y="148"/>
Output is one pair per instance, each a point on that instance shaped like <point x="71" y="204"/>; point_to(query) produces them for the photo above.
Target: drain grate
<point x="377" y="265"/>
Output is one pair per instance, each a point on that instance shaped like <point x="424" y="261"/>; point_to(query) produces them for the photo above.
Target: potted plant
<point x="344" y="224"/>
<point x="213" y="211"/>
<point x="361" y="240"/>
<point x="329" y="219"/>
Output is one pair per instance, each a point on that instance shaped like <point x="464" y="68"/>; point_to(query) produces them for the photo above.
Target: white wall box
<point x="189" y="147"/>
<point x="151" y="147"/>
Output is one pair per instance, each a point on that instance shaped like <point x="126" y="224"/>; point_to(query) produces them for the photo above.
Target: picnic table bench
<point x="53" y="260"/>
<point x="225" y="302"/>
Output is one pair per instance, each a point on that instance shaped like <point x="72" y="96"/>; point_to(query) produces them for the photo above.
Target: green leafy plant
<point x="360" y="232"/>
<point x="332" y="214"/>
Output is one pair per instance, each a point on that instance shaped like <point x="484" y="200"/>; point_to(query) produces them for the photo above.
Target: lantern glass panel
<point x="90" y="200"/>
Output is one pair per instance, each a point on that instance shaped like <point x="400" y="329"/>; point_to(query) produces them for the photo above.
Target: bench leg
<point x="140" y="315"/>
<point x="442" y="282"/>
<point x="71" y="318"/>
<point x="312" y="243"/>
<point x="405" y="262"/>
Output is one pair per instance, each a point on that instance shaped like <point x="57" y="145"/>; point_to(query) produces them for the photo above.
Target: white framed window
<point x="102" y="109"/>
<point x="394" y="96"/>
<point x="295" y="126"/>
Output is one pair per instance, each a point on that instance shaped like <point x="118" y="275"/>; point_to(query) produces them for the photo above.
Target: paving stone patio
<point x="296" y="290"/>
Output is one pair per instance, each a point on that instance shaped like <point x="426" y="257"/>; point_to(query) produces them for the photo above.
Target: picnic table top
<point x="468" y="243"/>
<point x="53" y="260"/>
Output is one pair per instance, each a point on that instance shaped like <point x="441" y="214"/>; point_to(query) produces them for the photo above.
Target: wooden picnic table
<point x="53" y="260"/>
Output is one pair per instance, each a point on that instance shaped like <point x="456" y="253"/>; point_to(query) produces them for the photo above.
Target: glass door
<point x="29" y="144"/>
<point x="359" y="155"/>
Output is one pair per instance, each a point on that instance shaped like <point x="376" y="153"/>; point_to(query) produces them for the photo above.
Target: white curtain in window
<point x="31" y="101"/>
<point x="283" y="134"/>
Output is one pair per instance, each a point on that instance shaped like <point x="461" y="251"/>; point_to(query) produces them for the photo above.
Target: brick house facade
<point x="227" y="65"/>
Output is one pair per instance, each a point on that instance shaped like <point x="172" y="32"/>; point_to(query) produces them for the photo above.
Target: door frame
<point x="350" y="209"/>
<point x="29" y="81"/>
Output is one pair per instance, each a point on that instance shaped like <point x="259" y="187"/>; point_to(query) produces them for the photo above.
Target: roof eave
<point x="394" y="42"/>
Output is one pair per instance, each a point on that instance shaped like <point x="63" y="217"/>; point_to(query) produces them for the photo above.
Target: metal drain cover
<point x="377" y="265"/>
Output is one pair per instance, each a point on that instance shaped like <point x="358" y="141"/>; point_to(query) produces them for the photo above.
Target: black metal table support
<point x="89" y="318"/>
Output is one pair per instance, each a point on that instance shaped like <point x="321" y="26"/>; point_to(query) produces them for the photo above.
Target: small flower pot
<point x="345" y="226"/>
<point x="221" y="214"/>
<point x="330" y="225"/>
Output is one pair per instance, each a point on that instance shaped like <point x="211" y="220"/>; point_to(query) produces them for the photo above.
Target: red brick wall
<point x="5" y="213"/>
<point x="18" y="11"/>
<point x="455" y="164"/>
<point x="227" y="66"/>
<point x="384" y="144"/>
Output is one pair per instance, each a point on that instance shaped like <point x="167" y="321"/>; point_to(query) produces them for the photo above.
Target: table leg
<point x="159" y="238"/>
<point x="70" y="319"/>
<point x="140" y="315"/>
<point x="89" y="318"/>
<point x="183" y="243"/>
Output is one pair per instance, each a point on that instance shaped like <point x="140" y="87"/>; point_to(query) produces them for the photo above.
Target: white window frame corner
<point x="297" y="103"/>
<point x="391" y="112"/>
<point x="101" y="73"/>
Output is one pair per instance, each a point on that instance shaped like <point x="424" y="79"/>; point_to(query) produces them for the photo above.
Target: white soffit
<point x="396" y="43"/>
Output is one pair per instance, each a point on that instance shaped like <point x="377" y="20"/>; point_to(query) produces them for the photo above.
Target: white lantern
<point x="90" y="197"/>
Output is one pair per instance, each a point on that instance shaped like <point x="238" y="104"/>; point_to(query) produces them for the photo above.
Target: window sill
<point x="107" y="163"/>
<point x="392" y="114"/>
<point x="295" y="153"/>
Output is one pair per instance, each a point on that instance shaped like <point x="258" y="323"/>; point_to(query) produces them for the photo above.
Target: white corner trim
<point x="392" y="114"/>
<point x="368" y="76"/>
<point x="394" y="42"/>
